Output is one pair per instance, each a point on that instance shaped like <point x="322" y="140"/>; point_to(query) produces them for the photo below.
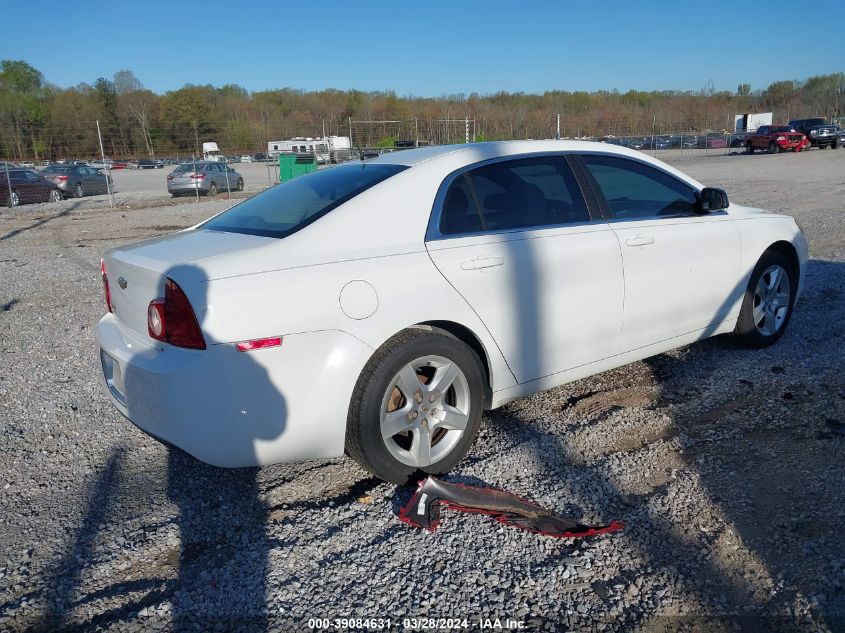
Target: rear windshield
<point x="780" y="128"/>
<point x="183" y="168"/>
<point x="58" y="170"/>
<point x="286" y="208"/>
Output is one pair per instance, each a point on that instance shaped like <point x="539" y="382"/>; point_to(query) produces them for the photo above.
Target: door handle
<point x="480" y="263"/>
<point x="640" y="240"/>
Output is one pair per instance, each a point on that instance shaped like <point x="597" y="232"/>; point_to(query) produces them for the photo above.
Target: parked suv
<point x="205" y="177"/>
<point x="776" y="138"/>
<point x="821" y="133"/>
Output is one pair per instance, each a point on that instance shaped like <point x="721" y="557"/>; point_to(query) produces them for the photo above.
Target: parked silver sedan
<point x="207" y="178"/>
<point x="78" y="180"/>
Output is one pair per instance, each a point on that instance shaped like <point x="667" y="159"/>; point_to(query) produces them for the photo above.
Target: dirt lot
<point x="719" y="460"/>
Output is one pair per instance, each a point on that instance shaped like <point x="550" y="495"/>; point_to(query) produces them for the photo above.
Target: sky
<point x="428" y="47"/>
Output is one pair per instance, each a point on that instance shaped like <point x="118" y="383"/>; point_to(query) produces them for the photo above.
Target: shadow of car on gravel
<point x="775" y="478"/>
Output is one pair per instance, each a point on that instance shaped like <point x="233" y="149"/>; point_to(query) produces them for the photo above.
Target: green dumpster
<point x="293" y="165"/>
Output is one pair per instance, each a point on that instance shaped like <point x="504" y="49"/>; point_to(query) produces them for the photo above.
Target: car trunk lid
<point x="137" y="272"/>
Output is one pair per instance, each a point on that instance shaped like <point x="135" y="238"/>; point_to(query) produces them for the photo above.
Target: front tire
<point x="768" y="301"/>
<point x="774" y="148"/>
<point x="416" y="407"/>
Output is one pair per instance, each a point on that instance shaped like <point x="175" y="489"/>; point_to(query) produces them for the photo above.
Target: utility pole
<point x="9" y="184"/>
<point x="557" y="134"/>
<point x="105" y="166"/>
<point x="466" y="129"/>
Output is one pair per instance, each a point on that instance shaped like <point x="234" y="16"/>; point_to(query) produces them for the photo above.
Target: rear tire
<point x="77" y="191"/>
<point x="212" y="190"/>
<point x="240" y="185"/>
<point x="398" y="390"/>
<point x="768" y="301"/>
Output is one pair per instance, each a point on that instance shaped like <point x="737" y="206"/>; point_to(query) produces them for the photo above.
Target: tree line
<point x="40" y="120"/>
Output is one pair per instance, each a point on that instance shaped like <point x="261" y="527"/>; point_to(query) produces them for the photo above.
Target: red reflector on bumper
<point x="259" y="343"/>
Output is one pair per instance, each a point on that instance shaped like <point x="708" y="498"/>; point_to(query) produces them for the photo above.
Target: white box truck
<point x="750" y="122"/>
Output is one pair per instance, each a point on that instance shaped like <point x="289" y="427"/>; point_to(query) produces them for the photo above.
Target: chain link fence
<point x="109" y="146"/>
<point x="137" y="145"/>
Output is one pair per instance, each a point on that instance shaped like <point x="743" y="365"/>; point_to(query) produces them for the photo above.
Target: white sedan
<point x="378" y="308"/>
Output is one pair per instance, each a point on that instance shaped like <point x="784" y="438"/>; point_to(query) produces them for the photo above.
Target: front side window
<point x="292" y="205"/>
<point x="635" y="190"/>
<point x="514" y="194"/>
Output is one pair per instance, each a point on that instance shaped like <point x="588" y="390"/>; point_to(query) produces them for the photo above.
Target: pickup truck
<point x="776" y="138"/>
<point x="820" y="133"/>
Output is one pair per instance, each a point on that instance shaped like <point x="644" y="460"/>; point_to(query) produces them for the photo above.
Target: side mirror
<point x="711" y="199"/>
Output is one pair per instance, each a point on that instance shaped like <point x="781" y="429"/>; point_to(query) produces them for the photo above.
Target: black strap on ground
<point x="423" y="510"/>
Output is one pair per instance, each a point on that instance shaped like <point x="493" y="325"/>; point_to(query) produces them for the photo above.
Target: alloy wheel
<point x="425" y="411"/>
<point x="771" y="300"/>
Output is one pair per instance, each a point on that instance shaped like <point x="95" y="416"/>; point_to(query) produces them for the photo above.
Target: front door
<point x="681" y="265"/>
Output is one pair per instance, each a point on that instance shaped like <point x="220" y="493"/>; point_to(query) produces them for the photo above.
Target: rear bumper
<point x="233" y="409"/>
<point x="186" y="188"/>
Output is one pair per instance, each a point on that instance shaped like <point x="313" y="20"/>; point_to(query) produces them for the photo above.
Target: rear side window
<point x="515" y="194"/>
<point x="635" y="190"/>
<point x="286" y="208"/>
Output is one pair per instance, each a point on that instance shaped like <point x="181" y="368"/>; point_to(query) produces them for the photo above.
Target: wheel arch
<point x="465" y="335"/>
<point x="788" y="250"/>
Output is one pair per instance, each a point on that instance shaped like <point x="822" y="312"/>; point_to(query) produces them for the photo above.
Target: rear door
<point x="681" y="266"/>
<point x="516" y="239"/>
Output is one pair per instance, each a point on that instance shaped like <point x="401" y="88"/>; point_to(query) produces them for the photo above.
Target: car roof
<point x="446" y="158"/>
<point x="495" y="149"/>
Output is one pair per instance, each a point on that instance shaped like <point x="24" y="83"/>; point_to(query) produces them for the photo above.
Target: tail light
<point x="61" y="178"/>
<point x="172" y="319"/>
<point x="105" y="283"/>
<point x="198" y="176"/>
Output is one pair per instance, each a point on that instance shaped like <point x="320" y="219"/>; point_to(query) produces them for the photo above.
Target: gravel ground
<point x="719" y="460"/>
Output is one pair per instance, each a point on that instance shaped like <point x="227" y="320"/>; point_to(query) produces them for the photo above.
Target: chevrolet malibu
<point x="378" y="308"/>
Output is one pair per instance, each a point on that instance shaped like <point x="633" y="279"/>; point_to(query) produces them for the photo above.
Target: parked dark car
<point x="821" y="133"/>
<point x="27" y="186"/>
<point x="686" y="141"/>
<point x="632" y="142"/>
<point x="146" y="163"/>
<point x="656" y="142"/>
<point x="77" y="180"/>
<point x="738" y="140"/>
<point x="260" y="156"/>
